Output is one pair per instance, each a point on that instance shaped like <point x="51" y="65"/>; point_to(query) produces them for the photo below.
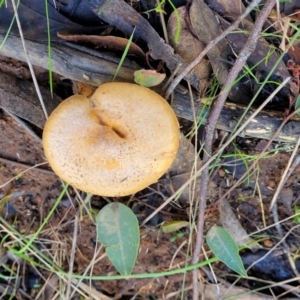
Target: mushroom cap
<point x="115" y="143"/>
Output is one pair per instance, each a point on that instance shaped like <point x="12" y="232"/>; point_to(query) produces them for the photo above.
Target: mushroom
<point x="115" y="143"/>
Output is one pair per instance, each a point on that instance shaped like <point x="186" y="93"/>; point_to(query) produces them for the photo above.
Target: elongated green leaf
<point x="118" y="231"/>
<point x="124" y="55"/>
<point x="174" y="226"/>
<point x="225" y="249"/>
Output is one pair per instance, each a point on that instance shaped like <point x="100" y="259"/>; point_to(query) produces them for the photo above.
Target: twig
<point x="72" y="258"/>
<point x="209" y="46"/>
<point x="283" y="240"/>
<point x="26" y="166"/>
<point x="212" y="120"/>
<point x="274" y="208"/>
<point x="287" y="172"/>
<point x="21" y="173"/>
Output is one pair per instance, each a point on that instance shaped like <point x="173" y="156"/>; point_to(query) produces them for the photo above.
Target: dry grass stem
<point x="72" y="257"/>
<point x="21" y="173"/>
<point x="28" y="60"/>
<point x="287" y="170"/>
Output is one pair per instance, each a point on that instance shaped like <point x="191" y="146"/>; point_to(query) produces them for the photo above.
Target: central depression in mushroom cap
<point x="115" y="143"/>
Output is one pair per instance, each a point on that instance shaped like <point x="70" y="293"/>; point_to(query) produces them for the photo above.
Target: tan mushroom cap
<point x="115" y="143"/>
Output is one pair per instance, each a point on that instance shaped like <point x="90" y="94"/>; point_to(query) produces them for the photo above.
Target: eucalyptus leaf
<point x="118" y="231"/>
<point x="225" y="249"/>
<point x="174" y="226"/>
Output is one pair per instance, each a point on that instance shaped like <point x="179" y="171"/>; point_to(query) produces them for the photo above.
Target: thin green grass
<point x="125" y="52"/>
<point x="104" y="7"/>
<point x="178" y="25"/>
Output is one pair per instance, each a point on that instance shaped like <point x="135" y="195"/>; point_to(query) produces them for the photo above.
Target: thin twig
<point x="286" y="173"/>
<point x="274" y="208"/>
<point x="26" y="166"/>
<point x="211" y="124"/>
<point x="21" y="173"/>
<point x="283" y="240"/>
<point x="209" y="46"/>
<point x="72" y="258"/>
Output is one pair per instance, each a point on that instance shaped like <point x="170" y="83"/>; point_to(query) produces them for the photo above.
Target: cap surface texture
<point x="115" y="143"/>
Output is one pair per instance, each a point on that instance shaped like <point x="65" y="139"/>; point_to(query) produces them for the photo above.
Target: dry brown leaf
<point x="231" y="223"/>
<point x="230" y="10"/>
<point x="208" y="25"/>
<point x="263" y="52"/>
<point x="188" y="47"/>
<point x="229" y="291"/>
<point x="205" y="27"/>
<point x="125" y="18"/>
<point x="111" y="43"/>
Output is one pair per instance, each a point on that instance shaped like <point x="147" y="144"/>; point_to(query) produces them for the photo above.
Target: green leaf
<point x="124" y="54"/>
<point x="174" y="226"/>
<point x="148" y="78"/>
<point x="297" y="105"/>
<point x="225" y="249"/>
<point x="118" y="231"/>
